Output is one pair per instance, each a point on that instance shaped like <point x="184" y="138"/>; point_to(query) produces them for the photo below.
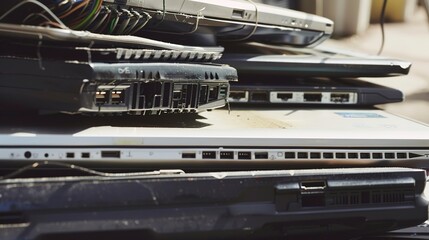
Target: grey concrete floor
<point x="406" y="41"/>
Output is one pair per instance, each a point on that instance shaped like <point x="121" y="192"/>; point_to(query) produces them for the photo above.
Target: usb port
<point x="110" y="154"/>
<point x="261" y="155"/>
<point x="340" y="97"/>
<point x="237" y="13"/>
<point x="69" y="155"/>
<point x="189" y="155"/>
<point x="85" y="155"/>
<point x="209" y="155"/>
<point x="226" y="155"/>
<point x="244" y="155"/>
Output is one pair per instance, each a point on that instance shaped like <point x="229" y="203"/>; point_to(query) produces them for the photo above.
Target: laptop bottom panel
<point x="230" y="205"/>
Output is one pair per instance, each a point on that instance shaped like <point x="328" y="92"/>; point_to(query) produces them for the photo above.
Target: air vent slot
<point x="370" y="197"/>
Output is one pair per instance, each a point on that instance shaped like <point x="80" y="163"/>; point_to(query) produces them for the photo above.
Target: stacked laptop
<point x="244" y="174"/>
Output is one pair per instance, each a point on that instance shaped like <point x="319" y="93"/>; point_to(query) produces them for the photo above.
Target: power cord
<point x="382" y="16"/>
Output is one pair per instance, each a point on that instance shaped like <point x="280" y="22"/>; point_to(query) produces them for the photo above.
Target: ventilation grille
<point x="351" y="155"/>
<point x="165" y="55"/>
<point x="298" y="154"/>
<point x="369" y="197"/>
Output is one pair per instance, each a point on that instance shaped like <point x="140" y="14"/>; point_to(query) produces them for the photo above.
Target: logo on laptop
<point x="359" y="115"/>
<point x="125" y="70"/>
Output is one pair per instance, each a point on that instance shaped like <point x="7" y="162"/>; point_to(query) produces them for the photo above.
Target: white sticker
<point x="359" y="115"/>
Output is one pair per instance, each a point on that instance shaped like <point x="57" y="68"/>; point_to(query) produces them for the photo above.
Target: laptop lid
<point x="343" y="203"/>
<point x="231" y="20"/>
<point x="257" y="60"/>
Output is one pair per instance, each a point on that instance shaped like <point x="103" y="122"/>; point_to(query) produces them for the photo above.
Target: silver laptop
<point x="219" y="139"/>
<point x="230" y="20"/>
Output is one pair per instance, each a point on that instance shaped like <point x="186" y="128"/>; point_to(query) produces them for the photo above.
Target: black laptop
<point x="256" y="59"/>
<point x="113" y="88"/>
<point x="331" y="203"/>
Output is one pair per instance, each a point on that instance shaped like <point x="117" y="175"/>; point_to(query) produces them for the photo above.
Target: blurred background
<point x="357" y="28"/>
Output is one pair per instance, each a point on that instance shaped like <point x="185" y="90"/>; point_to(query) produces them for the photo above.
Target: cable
<point x="254" y="28"/>
<point x="144" y="22"/>
<point x="95" y="25"/>
<point x="84" y="170"/>
<point x="35" y="15"/>
<point x="383" y="12"/>
<point x="41" y="5"/>
<point x="93" y="14"/>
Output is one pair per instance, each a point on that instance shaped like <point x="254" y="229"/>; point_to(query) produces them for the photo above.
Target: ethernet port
<point x="312" y="97"/>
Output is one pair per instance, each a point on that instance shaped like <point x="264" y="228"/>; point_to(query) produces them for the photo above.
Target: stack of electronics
<point x="222" y="181"/>
<point x="83" y="72"/>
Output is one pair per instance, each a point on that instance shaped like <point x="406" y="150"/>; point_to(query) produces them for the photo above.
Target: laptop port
<point x="110" y="154"/>
<point x="365" y="155"/>
<point x="209" y="155"/>
<point x="236" y="13"/>
<point x="261" y="155"/>
<point x="189" y="155"/>
<point x="353" y="156"/>
<point x="85" y="155"/>
<point x="27" y="154"/>
<point x="260" y="97"/>
<point x="313" y="185"/>
<point x="244" y="155"/>
<point x="118" y="97"/>
<point x="328" y="155"/>
<point x="312" y="97"/>
<point x="69" y="155"/>
<point x="290" y="155"/>
<point x="340" y="97"/>
<point x="302" y="155"/>
<point x="340" y="155"/>
<point x="315" y="155"/>
<point x="377" y="155"/>
<point x="285" y="96"/>
<point x="237" y="95"/>
<point x="101" y="97"/>
<point x="227" y="155"/>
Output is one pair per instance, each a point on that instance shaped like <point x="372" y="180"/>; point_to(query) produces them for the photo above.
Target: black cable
<point x="383" y="12"/>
